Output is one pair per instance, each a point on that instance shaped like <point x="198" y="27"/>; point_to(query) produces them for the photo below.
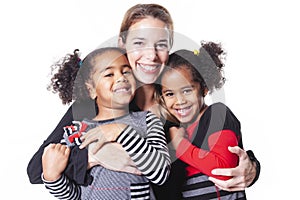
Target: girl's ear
<point x="121" y="44"/>
<point x="205" y="91"/>
<point x="92" y="90"/>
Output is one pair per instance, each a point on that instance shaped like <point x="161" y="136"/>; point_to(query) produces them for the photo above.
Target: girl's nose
<point x="122" y="78"/>
<point x="180" y="99"/>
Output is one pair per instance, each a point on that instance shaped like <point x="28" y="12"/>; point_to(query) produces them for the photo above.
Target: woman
<point x="147" y="54"/>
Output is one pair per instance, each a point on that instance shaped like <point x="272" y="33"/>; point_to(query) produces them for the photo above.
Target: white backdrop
<point x="262" y="43"/>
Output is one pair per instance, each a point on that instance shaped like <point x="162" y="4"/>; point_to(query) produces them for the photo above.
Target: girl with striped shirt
<point x="105" y="76"/>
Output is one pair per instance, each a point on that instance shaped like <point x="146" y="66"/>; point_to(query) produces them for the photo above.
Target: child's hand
<point x="54" y="161"/>
<point x="176" y="135"/>
<point x="101" y="135"/>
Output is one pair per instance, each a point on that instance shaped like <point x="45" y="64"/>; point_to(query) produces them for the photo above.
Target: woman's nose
<point x="150" y="53"/>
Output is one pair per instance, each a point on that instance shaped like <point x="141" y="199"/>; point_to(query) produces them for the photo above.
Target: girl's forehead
<point x="109" y="58"/>
<point x="177" y="78"/>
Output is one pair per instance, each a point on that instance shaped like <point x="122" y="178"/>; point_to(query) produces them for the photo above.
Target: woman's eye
<point x="138" y="43"/>
<point x="161" y="46"/>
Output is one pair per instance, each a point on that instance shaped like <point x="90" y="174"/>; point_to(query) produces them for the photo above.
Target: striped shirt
<point x="147" y="149"/>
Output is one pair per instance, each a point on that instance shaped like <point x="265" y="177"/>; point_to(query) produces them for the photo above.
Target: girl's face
<point x="112" y="81"/>
<point x="181" y="95"/>
<point x="147" y="46"/>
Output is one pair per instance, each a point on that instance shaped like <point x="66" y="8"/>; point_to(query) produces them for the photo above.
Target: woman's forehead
<point x="149" y="27"/>
<point x="148" y="22"/>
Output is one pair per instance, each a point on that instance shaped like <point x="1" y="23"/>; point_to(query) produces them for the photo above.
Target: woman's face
<point x="147" y="45"/>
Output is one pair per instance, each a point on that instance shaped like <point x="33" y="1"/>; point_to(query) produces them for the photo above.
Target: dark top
<point x="78" y="111"/>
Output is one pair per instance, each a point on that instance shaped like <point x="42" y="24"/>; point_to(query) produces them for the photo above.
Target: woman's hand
<point x="54" y="161"/>
<point x="101" y="135"/>
<point x="112" y="156"/>
<point x="105" y="152"/>
<point x="242" y="175"/>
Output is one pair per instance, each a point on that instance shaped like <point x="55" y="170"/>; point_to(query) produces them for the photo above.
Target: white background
<point x="262" y="43"/>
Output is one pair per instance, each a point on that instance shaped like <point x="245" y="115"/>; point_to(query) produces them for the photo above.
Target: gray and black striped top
<point x="144" y="140"/>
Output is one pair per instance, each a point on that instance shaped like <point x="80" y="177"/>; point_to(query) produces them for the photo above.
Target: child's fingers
<point x="67" y="151"/>
<point x="50" y="146"/>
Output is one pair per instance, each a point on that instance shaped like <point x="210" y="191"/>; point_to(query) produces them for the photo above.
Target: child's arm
<point x="205" y="161"/>
<point x="149" y="154"/>
<point x="77" y="111"/>
<point x="54" y="161"/>
<point x="34" y="168"/>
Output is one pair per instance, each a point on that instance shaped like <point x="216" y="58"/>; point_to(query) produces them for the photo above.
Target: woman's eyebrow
<point x="163" y="40"/>
<point x="138" y="38"/>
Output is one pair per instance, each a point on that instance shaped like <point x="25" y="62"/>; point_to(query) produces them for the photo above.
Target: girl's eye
<point x="169" y="94"/>
<point x="127" y="72"/>
<point x="108" y="75"/>
<point x="187" y="91"/>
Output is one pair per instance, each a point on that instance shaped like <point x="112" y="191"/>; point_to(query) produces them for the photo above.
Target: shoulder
<point x="220" y="110"/>
<point x="221" y="115"/>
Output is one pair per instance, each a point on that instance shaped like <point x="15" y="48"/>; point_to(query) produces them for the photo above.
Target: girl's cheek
<point x="163" y="57"/>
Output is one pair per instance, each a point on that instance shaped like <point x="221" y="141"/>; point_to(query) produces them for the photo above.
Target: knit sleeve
<point x="150" y="154"/>
<point x="63" y="188"/>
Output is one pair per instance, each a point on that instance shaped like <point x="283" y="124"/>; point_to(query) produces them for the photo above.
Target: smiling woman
<point x="147" y="52"/>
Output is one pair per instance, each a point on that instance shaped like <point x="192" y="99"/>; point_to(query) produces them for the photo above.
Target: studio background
<point x="262" y="43"/>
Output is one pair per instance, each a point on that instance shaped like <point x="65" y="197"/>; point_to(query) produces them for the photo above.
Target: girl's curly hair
<point x="205" y="66"/>
<point x="62" y="82"/>
<point x="72" y="74"/>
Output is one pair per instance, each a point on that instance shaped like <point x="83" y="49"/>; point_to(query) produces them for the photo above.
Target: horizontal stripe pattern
<point x="148" y="151"/>
<point x="199" y="187"/>
<point x="150" y="154"/>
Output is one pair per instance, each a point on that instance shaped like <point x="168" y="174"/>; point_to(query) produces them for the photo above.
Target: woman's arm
<point x="244" y="175"/>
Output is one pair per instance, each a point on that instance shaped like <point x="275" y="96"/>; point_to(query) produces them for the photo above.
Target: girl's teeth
<point x="121" y="90"/>
<point x="182" y="111"/>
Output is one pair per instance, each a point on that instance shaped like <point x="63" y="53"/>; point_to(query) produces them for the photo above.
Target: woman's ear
<point x="92" y="90"/>
<point x="121" y="44"/>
